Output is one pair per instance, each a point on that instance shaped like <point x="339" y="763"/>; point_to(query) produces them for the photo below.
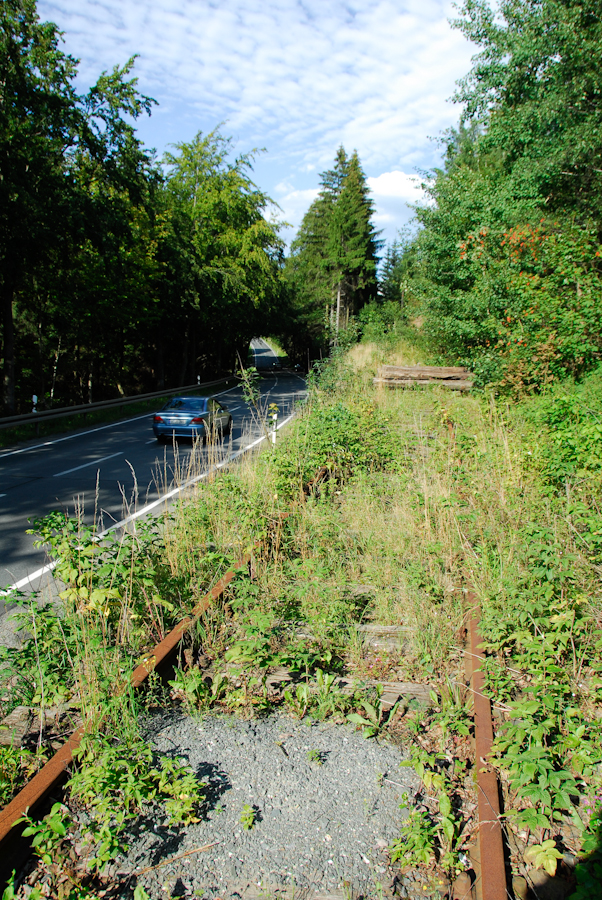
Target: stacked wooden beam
<point x="454" y="377"/>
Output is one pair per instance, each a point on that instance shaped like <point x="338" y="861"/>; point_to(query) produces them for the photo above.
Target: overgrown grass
<point x="376" y="507"/>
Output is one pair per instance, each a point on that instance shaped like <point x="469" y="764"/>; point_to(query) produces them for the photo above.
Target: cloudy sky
<point x="296" y="77"/>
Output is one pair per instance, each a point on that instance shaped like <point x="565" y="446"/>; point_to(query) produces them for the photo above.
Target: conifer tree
<point x="333" y="258"/>
<point x="352" y="244"/>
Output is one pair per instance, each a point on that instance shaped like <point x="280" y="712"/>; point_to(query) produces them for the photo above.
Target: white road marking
<point x="45" y="570"/>
<point x="28" y="579"/>
<point x="182" y="487"/>
<point x="2" y="495"/>
<point x="85" y="465"/>
<point x="152" y="441"/>
<point x="70" y="437"/>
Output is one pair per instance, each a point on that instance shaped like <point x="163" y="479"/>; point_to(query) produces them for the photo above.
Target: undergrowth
<point x="375" y="508"/>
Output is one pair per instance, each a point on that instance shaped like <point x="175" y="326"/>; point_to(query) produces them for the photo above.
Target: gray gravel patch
<point x="322" y="828"/>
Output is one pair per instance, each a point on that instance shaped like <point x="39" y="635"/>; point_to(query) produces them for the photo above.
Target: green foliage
<point x="571" y="418"/>
<point x="248" y="817"/>
<point x="315" y="756"/>
<point x="336" y="440"/>
<point x="416" y="845"/>
<point x="125" y="585"/>
<point x="374" y="718"/>
<point x="429" y="831"/>
<point x="48" y="834"/>
<point x="115" y="780"/>
<point x="382" y="323"/>
<point x="544" y="856"/>
<point x="509" y="256"/>
<point x="40" y="671"/>
<point x="17" y="765"/>
<point x="297" y="699"/>
<point x="333" y="258"/>
<point x="192" y="687"/>
<point x="452" y="714"/>
<point x="122" y="276"/>
<point x="588" y="870"/>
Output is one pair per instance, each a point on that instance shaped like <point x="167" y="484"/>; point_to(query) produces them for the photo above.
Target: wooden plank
<point x="406" y="383"/>
<point x="457" y="372"/>
<point x="395" y="689"/>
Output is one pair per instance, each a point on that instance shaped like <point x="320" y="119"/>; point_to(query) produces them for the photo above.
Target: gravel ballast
<point x="326" y="802"/>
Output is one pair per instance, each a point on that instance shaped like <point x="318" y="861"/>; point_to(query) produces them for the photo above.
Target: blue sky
<point x="296" y="77"/>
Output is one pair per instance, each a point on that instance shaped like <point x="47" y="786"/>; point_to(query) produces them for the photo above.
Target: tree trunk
<point x="8" y="349"/>
<point x="338" y="308"/>
<point x="54" y="368"/>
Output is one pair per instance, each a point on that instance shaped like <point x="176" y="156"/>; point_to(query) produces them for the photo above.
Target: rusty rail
<point x="13" y="848"/>
<point x="491" y="885"/>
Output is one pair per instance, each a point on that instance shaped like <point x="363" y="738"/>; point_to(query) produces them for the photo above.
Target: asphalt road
<point x="114" y="471"/>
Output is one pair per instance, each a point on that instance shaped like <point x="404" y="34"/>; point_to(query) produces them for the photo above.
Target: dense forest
<point x="117" y="273"/>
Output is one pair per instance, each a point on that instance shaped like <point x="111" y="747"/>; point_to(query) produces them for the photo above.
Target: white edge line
<point x="50" y="566"/>
<point x="28" y="578"/>
<point x="76" y="434"/>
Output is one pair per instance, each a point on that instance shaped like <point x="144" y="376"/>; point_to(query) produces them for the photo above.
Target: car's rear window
<point x="199" y="403"/>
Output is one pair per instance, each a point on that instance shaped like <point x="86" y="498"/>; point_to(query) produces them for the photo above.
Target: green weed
<point x="248" y="817"/>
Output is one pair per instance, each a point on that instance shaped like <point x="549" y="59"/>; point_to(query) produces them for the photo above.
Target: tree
<point x="352" y="246"/>
<point x="235" y="252"/>
<point x="537" y="85"/>
<point x="332" y="265"/>
<point x="509" y="247"/>
<point x="72" y="176"/>
<point x="38" y="120"/>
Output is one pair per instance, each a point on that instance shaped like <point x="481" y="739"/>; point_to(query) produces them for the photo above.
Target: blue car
<point x="191" y="417"/>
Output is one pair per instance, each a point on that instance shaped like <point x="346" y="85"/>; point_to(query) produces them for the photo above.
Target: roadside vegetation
<point x="375" y="508"/>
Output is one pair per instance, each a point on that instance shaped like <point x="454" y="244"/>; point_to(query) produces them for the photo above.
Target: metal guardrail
<point x="84" y="408"/>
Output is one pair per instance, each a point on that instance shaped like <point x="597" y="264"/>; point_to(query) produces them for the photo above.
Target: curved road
<point x="113" y="472"/>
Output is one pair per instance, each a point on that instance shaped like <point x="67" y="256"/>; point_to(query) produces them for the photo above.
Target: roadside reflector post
<point x="274" y="426"/>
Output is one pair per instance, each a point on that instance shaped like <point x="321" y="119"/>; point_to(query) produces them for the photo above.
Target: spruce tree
<point x="352" y="244"/>
<point x="334" y="256"/>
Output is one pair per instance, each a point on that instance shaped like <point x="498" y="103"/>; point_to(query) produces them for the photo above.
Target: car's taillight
<point x="157" y="419"/>
<point x="197" y="420"/>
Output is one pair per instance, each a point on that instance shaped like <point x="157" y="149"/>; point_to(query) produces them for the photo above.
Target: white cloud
<point x="298" y="77"/>
<point x="396" y="184"/>
<point x="295" y="204"/>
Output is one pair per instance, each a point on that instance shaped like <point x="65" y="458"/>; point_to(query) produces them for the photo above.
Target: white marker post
<point x="274" y="426"/>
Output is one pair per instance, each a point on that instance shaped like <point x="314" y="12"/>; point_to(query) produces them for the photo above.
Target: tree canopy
<point x="332" y="266"/>
<point x="117" y="274"/>
<point x="510" y="277"/>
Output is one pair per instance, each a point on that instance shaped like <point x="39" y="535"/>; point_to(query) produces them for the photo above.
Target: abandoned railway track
<point x="316" y="721"/>
<point x="486" y="876"/>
